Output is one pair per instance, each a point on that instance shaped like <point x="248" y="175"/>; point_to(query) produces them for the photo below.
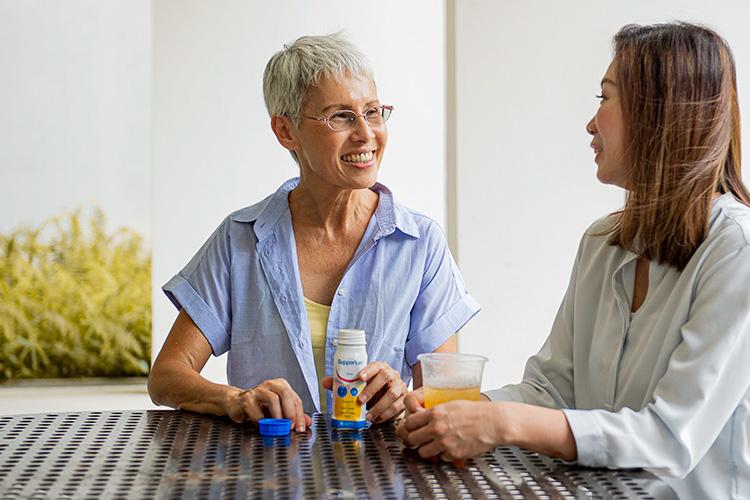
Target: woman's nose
<point x="362" y="130"/>
<point x="591" y="126"/>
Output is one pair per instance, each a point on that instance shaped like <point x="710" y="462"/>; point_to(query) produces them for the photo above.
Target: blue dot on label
<point x="342" y="391"/>
<point x="354" y="392"/>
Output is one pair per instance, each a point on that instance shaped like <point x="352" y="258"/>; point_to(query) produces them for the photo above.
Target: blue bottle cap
<point x="275" y="426"/>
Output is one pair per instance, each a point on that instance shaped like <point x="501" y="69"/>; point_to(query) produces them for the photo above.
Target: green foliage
<point x="75" y="301"/>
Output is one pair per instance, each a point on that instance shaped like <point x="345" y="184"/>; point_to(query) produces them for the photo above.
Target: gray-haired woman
<point x="328" y="250"/>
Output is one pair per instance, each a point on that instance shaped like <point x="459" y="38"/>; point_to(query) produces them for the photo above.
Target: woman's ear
<point x="285" y="132"/>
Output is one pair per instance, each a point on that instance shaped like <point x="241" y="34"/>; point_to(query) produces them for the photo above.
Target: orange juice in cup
<point x="449" y="377"/>
<point x="433" y="396"/>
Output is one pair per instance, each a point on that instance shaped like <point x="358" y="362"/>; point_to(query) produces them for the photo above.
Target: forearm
<point x="178" y="386"/>
<point x="543" y="430"/>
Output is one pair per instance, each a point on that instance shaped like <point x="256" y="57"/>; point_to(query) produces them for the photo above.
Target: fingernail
<point x="363" y="375"/>
<point x="368" y="417"/>
<point x="363" y="398"/>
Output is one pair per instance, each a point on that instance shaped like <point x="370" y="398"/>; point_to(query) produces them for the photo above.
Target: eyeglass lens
<point x="344" y="119"/>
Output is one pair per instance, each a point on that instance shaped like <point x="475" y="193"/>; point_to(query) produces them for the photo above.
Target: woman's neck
<point x="331" y="208"/>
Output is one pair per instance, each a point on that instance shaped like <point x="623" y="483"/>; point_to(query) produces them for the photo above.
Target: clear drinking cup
<point x="450" y="376"/>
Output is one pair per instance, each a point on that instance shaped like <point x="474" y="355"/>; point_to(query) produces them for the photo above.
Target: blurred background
<point x="130" y="129"/>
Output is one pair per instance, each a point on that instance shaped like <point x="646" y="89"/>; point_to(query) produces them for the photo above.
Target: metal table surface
<point x="176" y="454"/>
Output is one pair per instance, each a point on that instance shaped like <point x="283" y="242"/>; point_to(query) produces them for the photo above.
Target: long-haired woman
<point x="648" y="361"/>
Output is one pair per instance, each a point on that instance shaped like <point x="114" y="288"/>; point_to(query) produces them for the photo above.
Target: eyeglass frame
<point x="327" y="119"/>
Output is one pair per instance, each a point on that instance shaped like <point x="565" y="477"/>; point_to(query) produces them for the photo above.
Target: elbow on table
<point x="157" y="388"/>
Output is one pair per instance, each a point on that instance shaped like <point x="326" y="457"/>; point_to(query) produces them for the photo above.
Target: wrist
<point x="503" y="424"/>
<point x="231" y="397"/>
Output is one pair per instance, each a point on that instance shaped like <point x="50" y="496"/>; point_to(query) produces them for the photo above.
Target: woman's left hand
<point x="454" y="430"/>
<point x="383" y="394"/>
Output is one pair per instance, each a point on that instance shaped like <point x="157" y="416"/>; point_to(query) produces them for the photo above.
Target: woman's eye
<point x="341" y="116"/>
<point x="600" y="97"/>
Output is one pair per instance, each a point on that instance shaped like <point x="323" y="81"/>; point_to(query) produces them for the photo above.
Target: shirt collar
<point x="389" y="214"/>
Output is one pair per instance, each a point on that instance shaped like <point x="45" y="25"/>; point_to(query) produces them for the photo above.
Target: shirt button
<point x="283" y="298"/>
<point x="302" y="342"/>
<point x="342" y="291"/>
<point x="268" y="252"/>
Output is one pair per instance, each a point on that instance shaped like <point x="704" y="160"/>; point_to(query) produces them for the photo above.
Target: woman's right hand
<point x="414" y="403"/>
<point x="273" y="398"/>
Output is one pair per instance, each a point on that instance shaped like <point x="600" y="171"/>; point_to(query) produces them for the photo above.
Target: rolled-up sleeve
<point x="707" y="376"/>
<point x="443" y="305"/>
<point x="202" y="289"/>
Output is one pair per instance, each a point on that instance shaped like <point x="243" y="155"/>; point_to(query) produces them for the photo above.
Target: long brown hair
<point x="678" y="91"/>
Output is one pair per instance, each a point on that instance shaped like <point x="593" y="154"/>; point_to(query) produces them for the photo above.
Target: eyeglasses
<point x="345" y="119"/>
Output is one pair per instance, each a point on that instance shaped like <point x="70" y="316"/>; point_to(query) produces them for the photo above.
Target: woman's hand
<point x="383" y="394"/>
<point x="464" y="429"/>
<point x="273" y="398"/>
<point x="453" y="430"/>
<point x="414" y="403"/>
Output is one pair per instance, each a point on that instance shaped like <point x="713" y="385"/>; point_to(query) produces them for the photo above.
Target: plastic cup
<point x="451" y="376"/>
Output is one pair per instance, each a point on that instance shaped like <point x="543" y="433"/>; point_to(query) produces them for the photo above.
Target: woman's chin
<point x="603" y="175"/>
<point x="362" y="178"/>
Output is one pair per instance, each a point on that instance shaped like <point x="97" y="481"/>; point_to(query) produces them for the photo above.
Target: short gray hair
<point x="291" y="72"/>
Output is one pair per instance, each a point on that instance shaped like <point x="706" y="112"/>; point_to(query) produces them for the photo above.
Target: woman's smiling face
<point x="608" y="131"/>
<point x="347" y="159"/>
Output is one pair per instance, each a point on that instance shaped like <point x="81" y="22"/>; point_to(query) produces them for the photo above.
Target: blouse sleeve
<point x="203" y="287"/>
<point x="443" y="305"/>
<point x="548" y="376"/>
<point x="707" y="376"/>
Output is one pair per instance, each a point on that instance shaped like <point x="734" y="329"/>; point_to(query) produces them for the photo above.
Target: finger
<point x="308" y="420"/>
<point x="392" y="411"/>
<point x="432" y="449"/>
<point x="402" y="432"/>
<point x="414" y="401"/>
<point x="417" y="420"/>
<point x="384" y="377"/>
<point x="251" y="408"/>
<point x="327" y="383"/>
<point x="371" y="370"/>
<point x="289" y="407"/>
<point x="290" y="402"/>
<point x="422" y="436"/>
<point x="390" y="404"/>
<point x="300" y="422"/>
<point x="270" y="400"/>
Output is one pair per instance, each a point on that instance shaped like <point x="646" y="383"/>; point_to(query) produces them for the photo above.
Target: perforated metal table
<point x="175" y="454"/>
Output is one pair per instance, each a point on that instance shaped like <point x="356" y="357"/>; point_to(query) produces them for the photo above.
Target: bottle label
<point x="348" y="412"/>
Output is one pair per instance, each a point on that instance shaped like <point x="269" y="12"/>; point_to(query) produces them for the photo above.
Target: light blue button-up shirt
<point x="243" y="290"/>
<point x="667" y="388"/>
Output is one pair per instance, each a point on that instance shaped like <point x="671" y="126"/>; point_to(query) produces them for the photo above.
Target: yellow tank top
<point x="317" y="316"/>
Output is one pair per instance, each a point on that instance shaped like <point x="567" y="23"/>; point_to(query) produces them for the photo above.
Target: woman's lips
<point x="364" y="159"/>
<point x="597" y="150"/>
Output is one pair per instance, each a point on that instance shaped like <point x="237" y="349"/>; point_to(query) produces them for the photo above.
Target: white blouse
<point x="668" y="389"/>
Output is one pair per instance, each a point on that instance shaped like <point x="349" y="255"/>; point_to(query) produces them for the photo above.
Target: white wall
<point x="75" y="87"/>
<point x="214" y="151"/>
<point x="527" y="73"/>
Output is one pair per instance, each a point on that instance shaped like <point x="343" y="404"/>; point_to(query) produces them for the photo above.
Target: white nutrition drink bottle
<point x="350" y="358"/>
